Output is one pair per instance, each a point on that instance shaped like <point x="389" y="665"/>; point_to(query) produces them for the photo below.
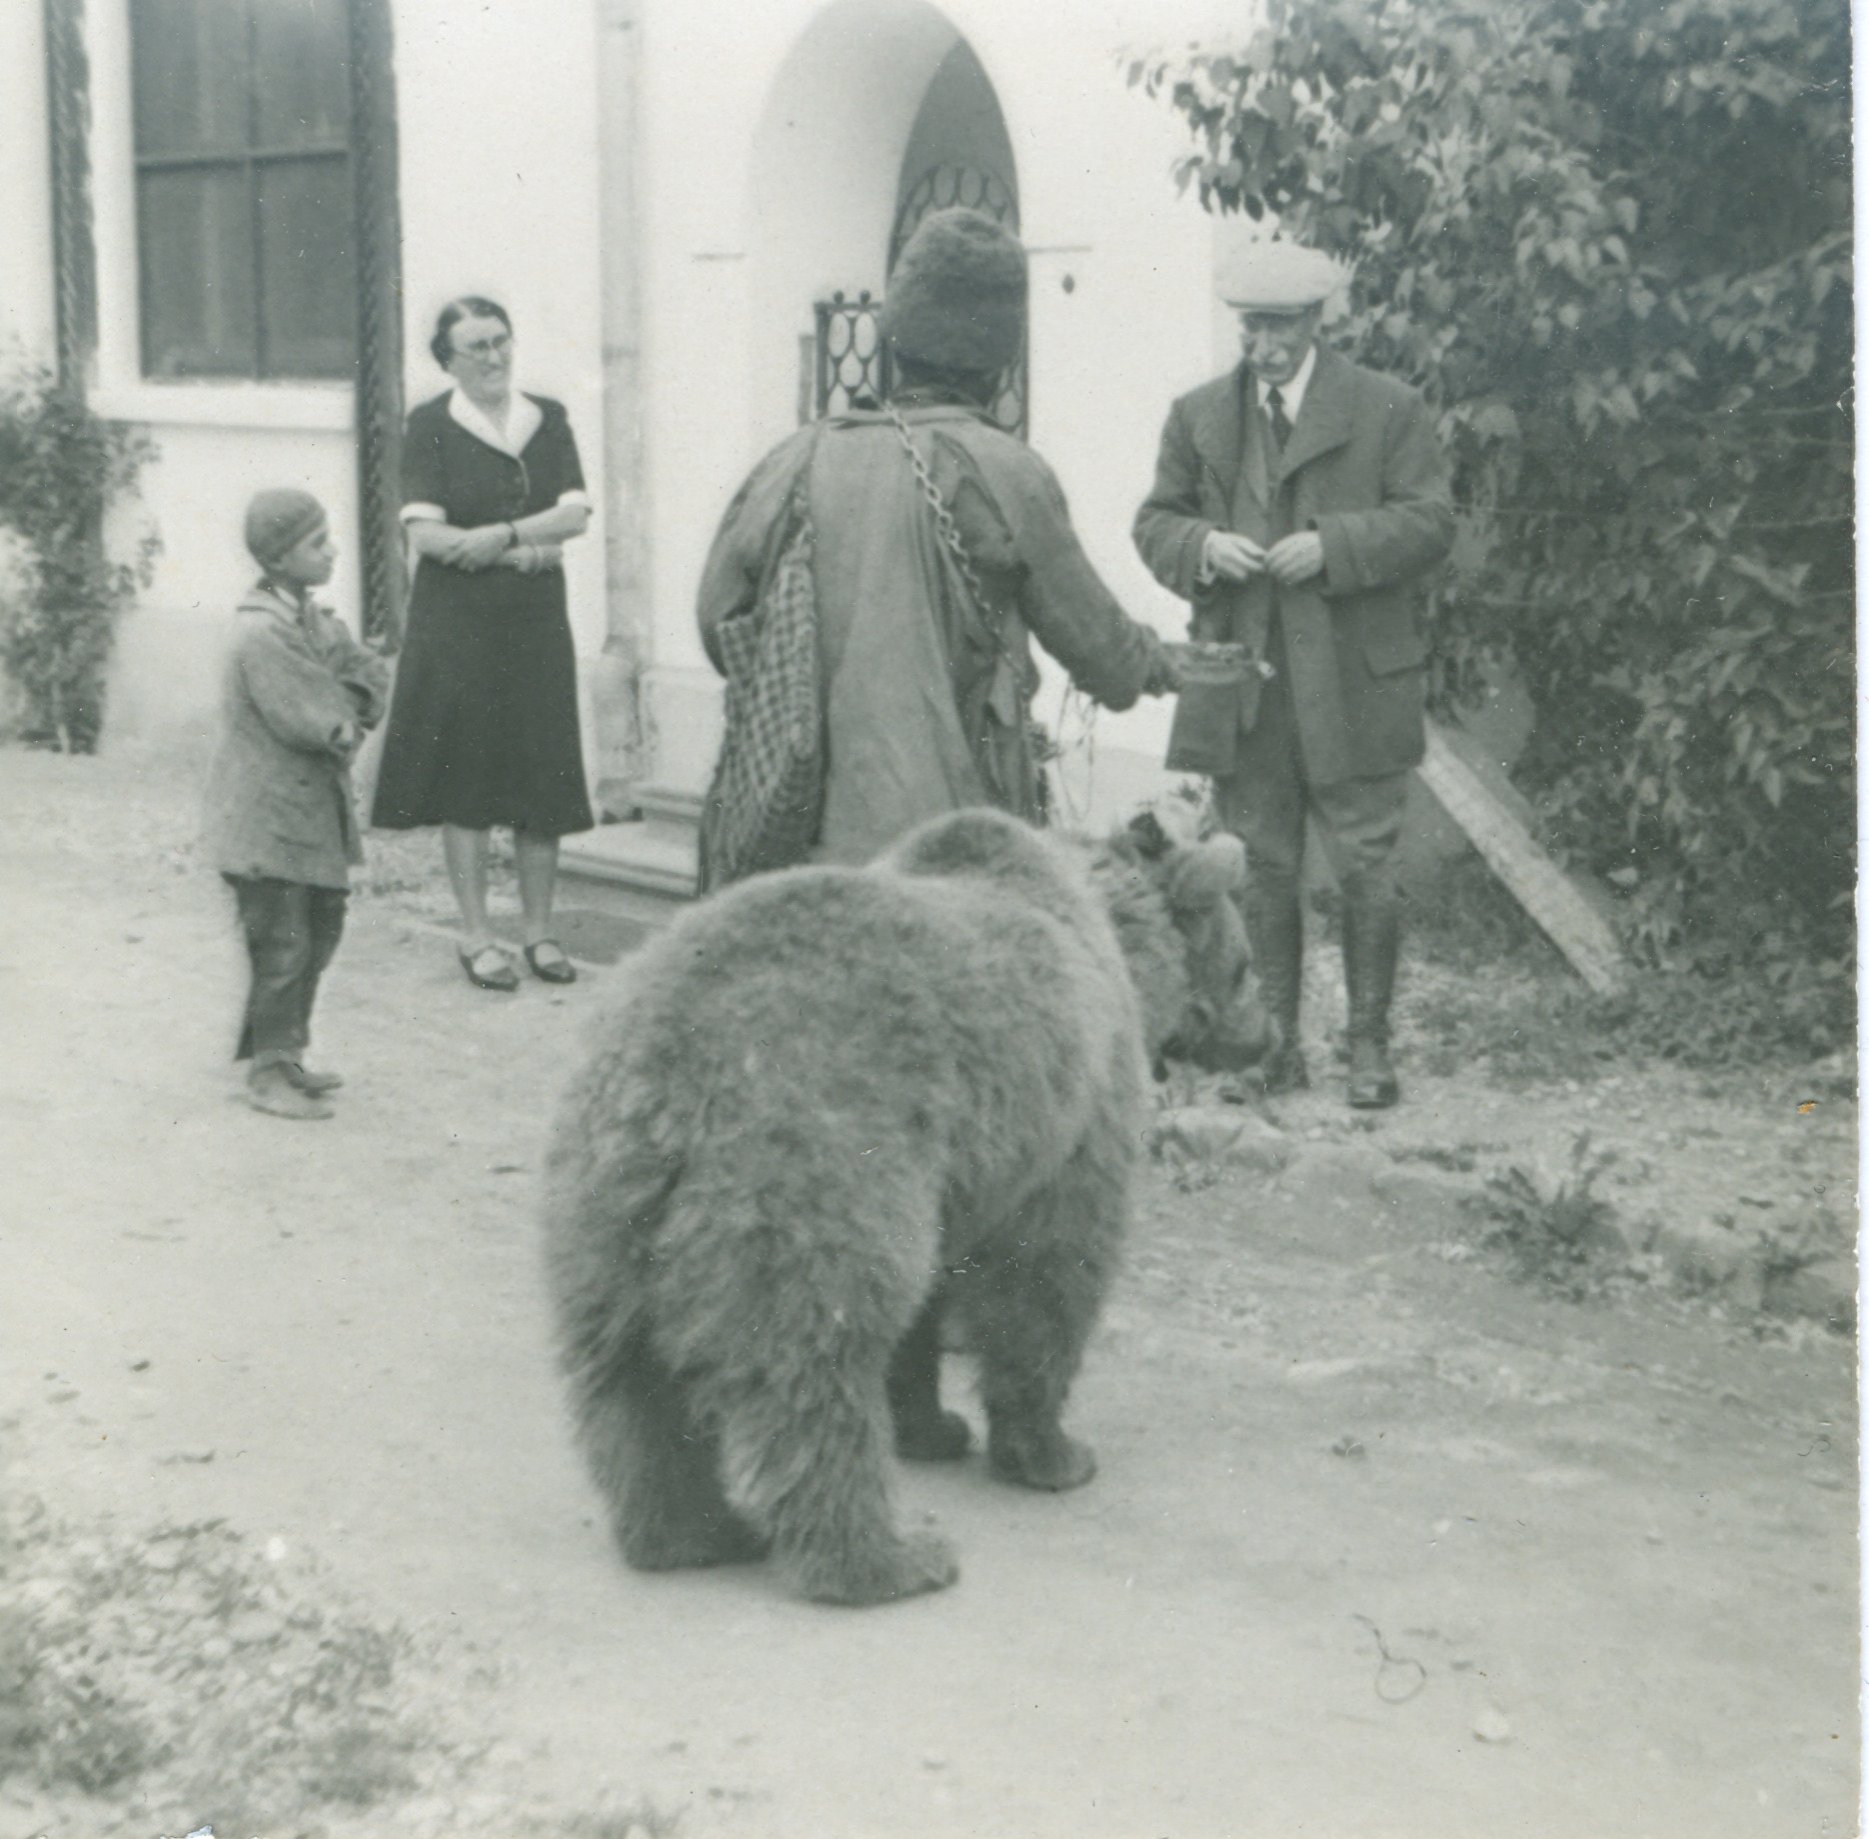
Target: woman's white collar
<point x="522" y="421"/>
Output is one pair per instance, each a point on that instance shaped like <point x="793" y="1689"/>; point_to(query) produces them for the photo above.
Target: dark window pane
<point x="195" y="234"/>
<point x="301" y="70"/>
<point x="306" y="267"/>
<point x="189" y="59"/>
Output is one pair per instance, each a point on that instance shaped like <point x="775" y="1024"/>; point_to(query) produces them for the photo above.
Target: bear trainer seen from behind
<point x="830" y="1105"/>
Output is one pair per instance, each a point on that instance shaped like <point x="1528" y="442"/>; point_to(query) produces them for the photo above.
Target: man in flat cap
<point x="1299" y="503"/>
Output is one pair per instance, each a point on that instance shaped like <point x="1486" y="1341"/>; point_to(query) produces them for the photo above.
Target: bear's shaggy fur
<point x="829" y="1103"/>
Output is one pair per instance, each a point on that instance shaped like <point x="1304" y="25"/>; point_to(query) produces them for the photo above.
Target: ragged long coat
<point x="296" y="691"/>
<point x="1362" y="467"/>
<point x="922" y="713"/>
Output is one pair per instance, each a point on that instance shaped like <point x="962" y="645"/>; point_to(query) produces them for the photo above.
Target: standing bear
<point x="832" y="1103"/>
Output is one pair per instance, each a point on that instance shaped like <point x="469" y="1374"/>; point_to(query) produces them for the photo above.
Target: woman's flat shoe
<point x="554" y="967"/>
<point x="490" y="968"/>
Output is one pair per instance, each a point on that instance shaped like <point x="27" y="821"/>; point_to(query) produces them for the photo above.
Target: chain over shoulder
<point x="945" y="526"/>
<point x="949" y="532"/>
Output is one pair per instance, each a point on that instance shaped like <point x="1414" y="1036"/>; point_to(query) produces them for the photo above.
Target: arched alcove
<point x="960" y="153"/>
<point x="873" y="97"/>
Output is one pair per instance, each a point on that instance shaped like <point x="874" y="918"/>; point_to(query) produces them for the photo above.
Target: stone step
<point x="652" y="856"/>
<point x="677" y="804"/>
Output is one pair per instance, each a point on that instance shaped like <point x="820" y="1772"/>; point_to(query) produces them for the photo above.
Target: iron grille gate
<point x="851" y="368"/>
<point x="852" y="357"/>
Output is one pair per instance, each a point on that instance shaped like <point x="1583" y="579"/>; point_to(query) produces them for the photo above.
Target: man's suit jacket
<point x="1363" y="468"/>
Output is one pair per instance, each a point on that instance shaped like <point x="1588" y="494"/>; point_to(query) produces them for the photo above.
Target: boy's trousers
<point x="292" y="929"/>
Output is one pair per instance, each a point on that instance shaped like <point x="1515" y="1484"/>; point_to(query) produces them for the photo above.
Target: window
<point x="243" y="187"/>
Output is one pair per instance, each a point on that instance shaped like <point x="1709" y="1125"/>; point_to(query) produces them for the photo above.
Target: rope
<point x="68" y="80"/>
<point x="379" y="358"/>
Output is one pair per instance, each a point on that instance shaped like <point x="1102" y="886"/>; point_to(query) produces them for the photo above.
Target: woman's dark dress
<point x="483" y="728"/>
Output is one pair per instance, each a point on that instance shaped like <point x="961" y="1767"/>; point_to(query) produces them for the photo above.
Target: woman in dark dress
<point x="483" y="729"/>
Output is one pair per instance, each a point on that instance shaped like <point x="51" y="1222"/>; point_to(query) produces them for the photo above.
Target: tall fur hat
<point x="957" y="298"/>
<point x="278" y="520"/>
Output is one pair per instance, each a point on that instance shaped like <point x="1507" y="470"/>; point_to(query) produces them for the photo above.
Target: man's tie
<point x="1275" y="413"/>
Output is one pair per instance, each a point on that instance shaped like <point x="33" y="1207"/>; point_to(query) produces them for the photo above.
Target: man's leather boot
<point x="1275" y="931"/>
<point x="1372" y="930"/>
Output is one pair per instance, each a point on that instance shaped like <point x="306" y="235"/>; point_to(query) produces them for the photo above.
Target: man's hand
<point x="1164" y="676"/>
<point x="1295" y="558"/>
<point x="1228" y="556"/>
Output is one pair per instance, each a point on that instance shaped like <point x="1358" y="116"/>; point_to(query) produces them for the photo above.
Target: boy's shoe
<point x="317" y="1084"/>
<point x="270" y="1089"/>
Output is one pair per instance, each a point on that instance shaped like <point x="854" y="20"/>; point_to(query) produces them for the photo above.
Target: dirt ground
<point x="1385" y="1542"/>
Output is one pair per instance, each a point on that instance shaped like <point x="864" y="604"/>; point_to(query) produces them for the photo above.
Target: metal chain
<point x="950" y="535"/>
<point x="944" y="518"/>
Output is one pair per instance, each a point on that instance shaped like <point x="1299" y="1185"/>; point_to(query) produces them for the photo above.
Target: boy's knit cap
<point x="279" y="519"/>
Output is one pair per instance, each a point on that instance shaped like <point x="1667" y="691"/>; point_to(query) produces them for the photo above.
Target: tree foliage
<point x="1611" y="240"/>
<point x="60" y="470"/>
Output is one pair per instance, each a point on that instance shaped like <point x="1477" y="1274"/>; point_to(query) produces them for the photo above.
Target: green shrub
<point x="60" y="470"/>
<point x="1612" y="240"/>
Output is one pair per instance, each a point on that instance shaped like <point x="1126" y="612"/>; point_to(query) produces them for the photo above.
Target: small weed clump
<point x="1561" y="1235"/>
<point x="1455" y="1158"/>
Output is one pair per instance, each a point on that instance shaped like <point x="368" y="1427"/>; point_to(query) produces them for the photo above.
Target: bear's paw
<point x="943" y="1437"/>
<point x="911" y="1566"/>
<point x="1041" y="1458"/>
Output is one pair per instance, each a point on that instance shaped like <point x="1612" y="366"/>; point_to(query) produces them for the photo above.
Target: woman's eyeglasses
<point x="484" y="348"/>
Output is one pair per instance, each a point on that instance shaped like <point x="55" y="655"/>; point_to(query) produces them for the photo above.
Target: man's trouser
<point x="1359" y="822"/>
<point x="291" y="930"/>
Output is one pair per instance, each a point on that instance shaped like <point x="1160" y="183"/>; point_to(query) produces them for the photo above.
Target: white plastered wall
<point x="498" y="194"/>
<point x="27" y="324"/>
<point x="497" y="125"/>
<point x="216" y="443"/>
<point x="771" y="135"/>
<point x="791" y="191"/>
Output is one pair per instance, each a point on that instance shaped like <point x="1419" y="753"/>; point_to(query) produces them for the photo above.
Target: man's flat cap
<point x="1280" y="277"/>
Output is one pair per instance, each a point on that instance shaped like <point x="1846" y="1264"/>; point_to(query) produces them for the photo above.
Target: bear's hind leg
<point x="805" y="1434"/>
<point x="659" y="1471"/>
<point x="924" y="1432"/>
<point x="817" y="1480"/>
<point x="1033" y="1310"/>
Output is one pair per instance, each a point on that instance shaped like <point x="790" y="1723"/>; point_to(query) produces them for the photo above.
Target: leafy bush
<point x="1611" y="240"/>
<point x="60" y="469"/>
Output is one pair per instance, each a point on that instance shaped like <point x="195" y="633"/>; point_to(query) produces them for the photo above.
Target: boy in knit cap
<point x="298" y="696"/>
